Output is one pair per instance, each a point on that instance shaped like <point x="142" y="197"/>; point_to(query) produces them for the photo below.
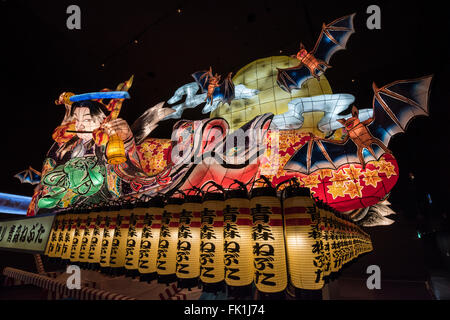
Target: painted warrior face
<point x="85" y="122"/>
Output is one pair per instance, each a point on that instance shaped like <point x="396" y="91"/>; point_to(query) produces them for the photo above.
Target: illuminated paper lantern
<point x="238" y="250"/>
<point x="324" y="226"/>
<point x="346" y="242"/>
<point x="362" y="242"/>
<point x="323" y="259"/>
<point x="86" y="239"/>
<point x="118" y="248"/>
<point x="95" y="245"/>
<point x="77" y="236"/>
<point x="166" y="262"/>
<point x="369" y="244"/>
<point x="53" y="238"/>
<point x="134" y="240"/>
<point x="335" y="238"/>
<point x="336" y="245"/>
<point x="340" y="243"/>
<point x="350" y="241"/>
<point x="212" y="271"/>
<point x="188" y="247"/>
<point x="115" y="151"/>
<point x="109" y="230"/>
<point x="303" y="239"/>
<point x="56" y="253"/>
<point x="68" y="237"/>
<point x="357" y="241"/>
<point x="60" y="241"/>
<point x="269" y="258"/>
<point x="148" y="251"/>
<point x="331" y="239"/>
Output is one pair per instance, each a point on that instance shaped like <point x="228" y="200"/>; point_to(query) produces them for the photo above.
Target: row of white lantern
<point x="234" y="240"/>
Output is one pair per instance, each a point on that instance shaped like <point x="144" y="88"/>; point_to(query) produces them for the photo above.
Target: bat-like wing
<point x="225" y="92"/>
<point x="202" y="78"/>
<point x="396" y="104"/>
<point x="320" y="154"/>
<point x="30" y="175"/>
<point x="334" y="37"/>
<point x="293" y="78"/>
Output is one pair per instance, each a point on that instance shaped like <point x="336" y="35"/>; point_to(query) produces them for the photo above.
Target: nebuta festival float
<point x="270" y="192"/>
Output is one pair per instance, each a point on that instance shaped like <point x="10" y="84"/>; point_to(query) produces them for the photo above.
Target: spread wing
<point x="334" y="37"/>
<point x="315" y="155"/>
<point x="292" y="78"/>
<point x="30" y="175"/>
<point x="202" y="79"/>
<point x="396" y="104"/>
<point x="225" y="92"/>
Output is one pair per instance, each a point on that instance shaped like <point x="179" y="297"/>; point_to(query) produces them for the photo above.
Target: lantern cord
<point x="194" y="190"/>
<point x="144" y="198"/>
<point x="293" y="181"/>
<point x="264" y="179"/>
<point x="198" y="190"/>
<point x="240" y="184"/>
<point x="213" y="184"/>
<point x="180" y="192"/>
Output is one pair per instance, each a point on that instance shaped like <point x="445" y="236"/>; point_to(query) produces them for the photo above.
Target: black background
<point x="42" y="58"/>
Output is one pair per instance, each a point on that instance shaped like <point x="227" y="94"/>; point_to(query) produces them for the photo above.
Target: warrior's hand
<point x="119" y="127"/>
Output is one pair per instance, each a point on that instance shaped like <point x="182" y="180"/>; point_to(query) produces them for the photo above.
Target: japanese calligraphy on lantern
<point x="188" y="247"/>
<point x="108" y="236"/>
<point x="134" y="240"/>
<point x="270" y="274"/>
<point x="211" y="243"/>
<point x="168" y="239"/>
<point x="149" y="241"/>
<point x="29" y="234"/>
<point x="238" y="254"/>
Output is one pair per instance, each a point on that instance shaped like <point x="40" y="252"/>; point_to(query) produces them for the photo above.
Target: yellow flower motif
<point x="353" y="189"/>
<point x="145" y="147"/>
<point x="311" y="181"/>
<point x="284" y="143"/>
<point x="325" y="173"/>
<point x="266" y="166"/>
<point x="282" y="162"/>
<point x="386" y="167"/>
<point x="336" y="190"/>
<point x="371" y="178"/>
<point x="339" y="177"/>
<point x="353" y="172"/>
<point x="152" y="147"/>
<point x="283" y="140"/>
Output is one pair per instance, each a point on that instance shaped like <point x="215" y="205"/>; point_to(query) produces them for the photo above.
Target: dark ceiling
<point x="42" y="58"/>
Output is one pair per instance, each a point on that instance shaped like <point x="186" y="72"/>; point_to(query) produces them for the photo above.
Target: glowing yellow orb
<point x="262" y="75"/>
